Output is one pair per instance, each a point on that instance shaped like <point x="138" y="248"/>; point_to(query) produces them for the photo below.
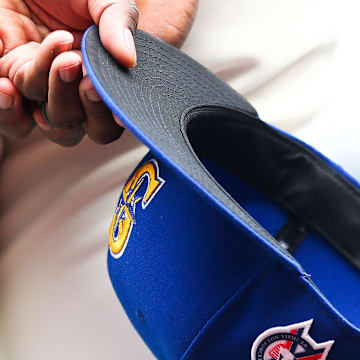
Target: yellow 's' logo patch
<point x="124" y="217"/>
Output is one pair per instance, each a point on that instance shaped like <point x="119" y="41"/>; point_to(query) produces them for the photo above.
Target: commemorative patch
<point x="289" y="343"/>
<point x="133" y="192"/>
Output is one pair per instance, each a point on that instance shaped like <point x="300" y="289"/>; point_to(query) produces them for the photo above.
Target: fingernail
<point x="43" y="124"/>
<point x="6" y="101"/>
<point x="92" y="95"/>
<point x="69" y="74"/>
<point x="60" y="48"/>
<point x="130" y="45"/>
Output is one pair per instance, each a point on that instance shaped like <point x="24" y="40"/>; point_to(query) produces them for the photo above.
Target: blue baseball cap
<point x="231" y="239"/>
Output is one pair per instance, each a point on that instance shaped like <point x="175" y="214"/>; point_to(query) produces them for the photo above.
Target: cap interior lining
<point x="304" y="183"/>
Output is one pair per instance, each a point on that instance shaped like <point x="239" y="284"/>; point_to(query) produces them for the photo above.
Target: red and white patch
<point x="291" y="342"/>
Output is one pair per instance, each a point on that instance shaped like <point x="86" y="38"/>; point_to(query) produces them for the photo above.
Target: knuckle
<point x="69" y="120"/>
<point x="37" y="94"/>
<point x="173" y="33"/>
<point x="67" y="125"/>
<point x="1" y="47"/>
<point x="98" y="109"/>
<point x="33" y="89"/>
<point x="70" y="142"/>
<point x="5" y="65"/>
<point x="133" y="16"/>
<point x="12" y="130"/>
<point x="106" y="136"/>
<point x="65" y="138"/>
<point x="72" y="125"/>
<point x="73" y="140"/>
<point x="22" y="134"/>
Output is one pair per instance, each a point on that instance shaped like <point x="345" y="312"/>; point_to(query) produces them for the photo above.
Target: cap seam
<point x="213" y="317"/>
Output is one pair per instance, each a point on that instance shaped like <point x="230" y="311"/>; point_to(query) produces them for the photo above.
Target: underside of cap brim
<point x="155" y="98"/>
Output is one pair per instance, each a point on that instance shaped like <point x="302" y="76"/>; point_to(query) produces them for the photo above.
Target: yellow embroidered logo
<point x="124" y="217"/>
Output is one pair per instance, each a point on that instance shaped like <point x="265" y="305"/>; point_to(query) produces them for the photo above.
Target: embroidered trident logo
<point x="124" y="217"/>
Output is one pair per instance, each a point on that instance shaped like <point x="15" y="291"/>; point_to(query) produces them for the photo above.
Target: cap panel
<point x="274" y="298"/>
<point x="189" y="279"/>
<point x="182" y="262"/>
<point x="336" y="277"/>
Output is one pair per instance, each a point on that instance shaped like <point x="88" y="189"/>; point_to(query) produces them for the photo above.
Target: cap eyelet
<point x="140" y="316"/>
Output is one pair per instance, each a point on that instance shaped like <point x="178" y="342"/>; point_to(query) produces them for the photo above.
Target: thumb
<point x="117" y="21"/>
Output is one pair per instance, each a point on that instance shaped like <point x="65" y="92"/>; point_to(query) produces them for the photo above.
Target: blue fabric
<point x="273" y="297"/>
<point x="327" y="267"/>
<point x="333" y="274"/>
<point x="261" y="207"/>
<point x="182" y="262"/>
<point x="195" y="287"/>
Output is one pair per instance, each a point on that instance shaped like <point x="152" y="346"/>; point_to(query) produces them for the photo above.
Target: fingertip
<point x="118" y="121"/>
<point x="35" y="78"/>
<point x="10" y="97"/>
<point x="67" y="67"/>
<point x="130" y="45"/>
<point x="14" y="121"/>
<point x="7" y="87"/>
<point x="117" y="21"/>
<point x="122" y="48"/>
<point x="88" y="92"/>
<point x="56" y="43"/>
<point x="120" y="44"/>
<point x="40" y="121"/>
<point x="65" y="137"/>
<point x="60" y="36"/>
<point x="66" y="59"/>
<point x="85" y="84"/>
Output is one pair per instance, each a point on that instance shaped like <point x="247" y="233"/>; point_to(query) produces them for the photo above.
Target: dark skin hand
<point x="40" y="60"/>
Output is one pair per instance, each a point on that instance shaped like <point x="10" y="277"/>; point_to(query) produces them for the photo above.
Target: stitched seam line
<point x="222" y="307"/>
